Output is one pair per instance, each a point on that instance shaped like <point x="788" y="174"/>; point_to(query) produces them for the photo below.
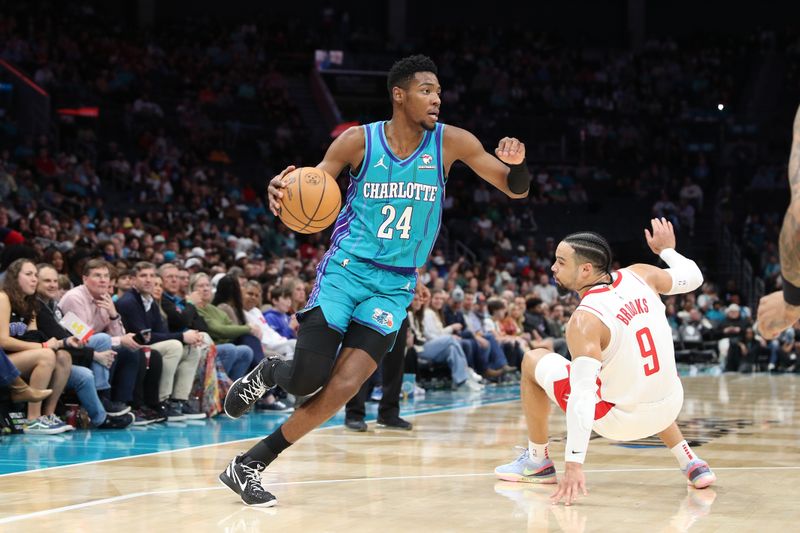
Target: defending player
<point x="385" y="231"/>
<point x="622" y="381"/>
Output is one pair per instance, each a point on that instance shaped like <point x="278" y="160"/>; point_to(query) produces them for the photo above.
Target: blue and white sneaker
<point x="59" y="424"/>
<point x="699" y="474"/>
<point x="41" y="426"/>
<point x="523" y="469"/>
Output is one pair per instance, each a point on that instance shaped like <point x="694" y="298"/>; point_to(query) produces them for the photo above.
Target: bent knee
<point x="532" y="358"/>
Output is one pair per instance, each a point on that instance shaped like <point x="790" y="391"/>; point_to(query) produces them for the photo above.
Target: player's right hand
<point x="571" y="485"/>
<point x="274" y="192"/>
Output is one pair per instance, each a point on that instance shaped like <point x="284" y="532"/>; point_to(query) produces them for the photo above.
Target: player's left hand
<point x="775" y="315"/>
<point x="510" y="151"/>
<point x="663" y="235"/>
<point x="572" y="485"/>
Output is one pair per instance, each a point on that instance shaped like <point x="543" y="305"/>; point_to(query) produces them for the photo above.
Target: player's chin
<point x="428" y="124"/>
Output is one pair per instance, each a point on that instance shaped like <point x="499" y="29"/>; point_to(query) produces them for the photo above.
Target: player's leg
<point x="534" y="464"/>
<point x="393" y="363"/>
<point x="696" y="470"/>
<point x="317" y="345"/>
<point x="361" y="349"/>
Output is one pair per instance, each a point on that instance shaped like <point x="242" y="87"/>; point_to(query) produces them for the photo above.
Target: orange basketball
<point x="311" y="200"/>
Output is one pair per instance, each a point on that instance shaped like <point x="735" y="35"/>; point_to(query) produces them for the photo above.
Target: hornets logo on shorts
<point x="383" y="318"/>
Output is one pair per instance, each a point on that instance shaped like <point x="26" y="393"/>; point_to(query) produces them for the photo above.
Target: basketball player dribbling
<point x="622" y="381"/>
<point x="367" y="279"/>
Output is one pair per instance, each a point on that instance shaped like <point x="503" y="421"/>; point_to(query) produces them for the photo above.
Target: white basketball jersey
<point x="639" y="362"/>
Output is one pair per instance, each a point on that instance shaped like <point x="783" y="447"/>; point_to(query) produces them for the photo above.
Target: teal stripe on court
<point x="19" y="453"/>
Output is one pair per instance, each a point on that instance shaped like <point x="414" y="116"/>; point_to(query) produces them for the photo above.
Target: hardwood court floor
<point x="439" y="477"/>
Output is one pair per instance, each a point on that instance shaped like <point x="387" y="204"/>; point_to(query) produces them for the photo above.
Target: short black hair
<point x="592" y="248"/>
<point x="403" y="70"/>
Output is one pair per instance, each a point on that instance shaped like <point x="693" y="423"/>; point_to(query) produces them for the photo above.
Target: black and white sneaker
<point x="245" y="480"/>
<point x="190" y="413"/>
<point x="246" y="391"/>
<point x="114" y="408"/>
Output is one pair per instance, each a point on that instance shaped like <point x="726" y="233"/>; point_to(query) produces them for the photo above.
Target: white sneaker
<point x="471" y="386"/>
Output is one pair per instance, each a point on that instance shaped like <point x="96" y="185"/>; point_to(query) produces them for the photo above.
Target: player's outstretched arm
<point x="586" y="336"/>
<point x="777" y="311"/>
<point x="683" y="274"/>
<point x="346" y="149"/>
<point x="508" y="171"/>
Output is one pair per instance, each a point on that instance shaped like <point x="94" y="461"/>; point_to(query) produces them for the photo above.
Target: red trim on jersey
<point x="562" y="388"/>
<point x="589" y="307"/>
<point x="614" y="284"/>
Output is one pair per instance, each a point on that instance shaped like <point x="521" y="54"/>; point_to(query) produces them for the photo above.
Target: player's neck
<point x="604" y="279"/>
<point x="403" y="136"/>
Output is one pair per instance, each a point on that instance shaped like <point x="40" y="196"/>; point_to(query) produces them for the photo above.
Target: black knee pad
<point x="367" y="339"/>
<point x="314" y="355"/>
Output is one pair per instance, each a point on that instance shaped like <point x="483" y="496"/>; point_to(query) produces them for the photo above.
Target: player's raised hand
<point x="274" y="192"/>
<point x="663" y="235"/>
<point x="510" y="151"/>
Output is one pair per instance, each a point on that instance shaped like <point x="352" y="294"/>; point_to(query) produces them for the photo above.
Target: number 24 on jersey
<point x="402" y="226"/>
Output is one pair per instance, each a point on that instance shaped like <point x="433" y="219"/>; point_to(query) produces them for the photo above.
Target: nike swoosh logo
<point x="245" y="381"/>
<point x="242" y="486"/>
<point x="573" y="451"/>
<point x="528" y="472"/>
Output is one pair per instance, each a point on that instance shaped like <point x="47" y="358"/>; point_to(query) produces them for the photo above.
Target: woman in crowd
<point x="41" y="359"/>
<point x="228" y="300"/>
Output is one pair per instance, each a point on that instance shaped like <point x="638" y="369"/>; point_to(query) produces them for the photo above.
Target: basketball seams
<point x="319" y="201"/>
<point x="305" y="223"/>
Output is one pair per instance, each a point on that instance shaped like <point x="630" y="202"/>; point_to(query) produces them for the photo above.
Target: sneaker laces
<point x="253" y="390"/>
<point x="253" y="475"/>
<point x="524" y="456"/>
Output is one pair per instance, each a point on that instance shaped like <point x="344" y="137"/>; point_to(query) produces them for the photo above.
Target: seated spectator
<point x="434" y="326"/>
<point x="271" y="340"/>
<point x="182" y="315"/>
<point x="81" y="378"/>
<point x="444" y="348"/>
<point x="122" y="283"/>
<point x="536" y="314"/>
<point x="132" y="379"/>
<point x="731" y="332"/>
<point x="545" y="290"/>
<point x="236" y="360"/>
<point x="27" y="348"/>
<point x="513" y="345"/>
<point x="474" y="320"/>
<point x="20" y="391"/>
<point x="279" y="317"/>
<point x="179" y="350"/>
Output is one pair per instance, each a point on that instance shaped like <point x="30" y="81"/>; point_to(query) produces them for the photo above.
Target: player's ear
<point x="397" y="95"/>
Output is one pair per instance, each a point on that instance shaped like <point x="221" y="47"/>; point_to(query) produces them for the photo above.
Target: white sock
<point x="683" y="453"/>
<point x="538" y="452"/>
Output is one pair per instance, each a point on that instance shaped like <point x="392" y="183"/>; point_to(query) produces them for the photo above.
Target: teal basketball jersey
<point x="393" y="209"/>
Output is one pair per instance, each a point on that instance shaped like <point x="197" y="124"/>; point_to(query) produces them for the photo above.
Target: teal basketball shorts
<point x="349" y="289"/>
